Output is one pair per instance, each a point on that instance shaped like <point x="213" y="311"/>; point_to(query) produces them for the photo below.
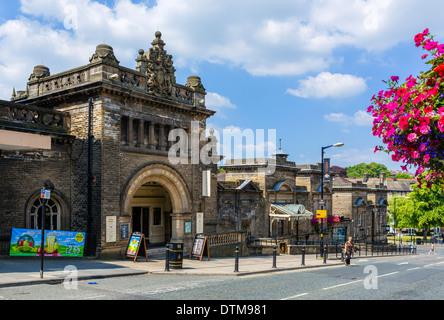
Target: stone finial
<point x="104" y="53"/>
<point x="195" y="83"/>
<point x="39" y="72"/>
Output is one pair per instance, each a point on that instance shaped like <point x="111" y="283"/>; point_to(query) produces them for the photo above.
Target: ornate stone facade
<point x="114" y="162"/>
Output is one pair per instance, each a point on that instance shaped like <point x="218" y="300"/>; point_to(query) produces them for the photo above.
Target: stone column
<point x="141" y="133"/>
<point x="130" y="132"/>
<point x="151" y="136"/>
<point x="162" y="137"/>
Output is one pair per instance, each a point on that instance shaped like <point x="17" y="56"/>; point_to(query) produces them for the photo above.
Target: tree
<point x="373" y="169"/>
<point x="403" y="176"/>
<point x="422" y="209"/>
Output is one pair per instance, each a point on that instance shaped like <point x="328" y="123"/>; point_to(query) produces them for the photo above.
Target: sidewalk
<point x="16" y="271"/>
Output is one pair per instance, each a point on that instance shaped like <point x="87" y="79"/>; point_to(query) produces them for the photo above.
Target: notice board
<point x="135" y="243"/>
<point x="200" y="247"/>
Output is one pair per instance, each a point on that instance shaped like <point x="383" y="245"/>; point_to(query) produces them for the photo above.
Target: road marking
<point x="296" y="296"/>
<point x="387" y="274"/>
<point x="429" y="265"/>
<point x="94" y="297"/>
<point x="342" y="284"/>
<point x="400" y="264"/>
<point x="413" y="268"/>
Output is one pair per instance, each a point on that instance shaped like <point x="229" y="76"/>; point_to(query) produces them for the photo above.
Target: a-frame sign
<point x="200" y="247"/>
<point x="135" y="243"/>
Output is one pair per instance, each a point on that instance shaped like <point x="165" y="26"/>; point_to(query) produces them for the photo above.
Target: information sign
<point x="200" y="247"/>
<point x="136" y="241"/>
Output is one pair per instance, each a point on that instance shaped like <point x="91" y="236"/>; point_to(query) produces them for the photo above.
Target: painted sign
<point x="27" y="242"/>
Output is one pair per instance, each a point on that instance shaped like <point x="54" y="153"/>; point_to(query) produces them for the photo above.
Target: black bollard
<point x="167" y="258"/>
<point x="236" y="260"/>
<point x="303" y="255"/>
<point x="274" y="257"/>
<point x="325" y="254"/>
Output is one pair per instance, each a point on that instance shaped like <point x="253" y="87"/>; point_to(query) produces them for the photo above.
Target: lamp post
<point x="339" y="144"/>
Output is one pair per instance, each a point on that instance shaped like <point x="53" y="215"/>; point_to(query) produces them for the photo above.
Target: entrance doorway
<point x="151" y="213"/>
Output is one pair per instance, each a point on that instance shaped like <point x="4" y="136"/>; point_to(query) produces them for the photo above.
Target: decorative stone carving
<point x="39" y="72"/>
<point x="104" y="53"/>
<point x="195" y="83"/>
<point x="159" y="68"/>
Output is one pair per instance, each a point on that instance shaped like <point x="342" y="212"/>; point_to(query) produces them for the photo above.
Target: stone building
<point x="289" y="195"/>
<point x="362" y="207"/>
<point x="114" y="165"/>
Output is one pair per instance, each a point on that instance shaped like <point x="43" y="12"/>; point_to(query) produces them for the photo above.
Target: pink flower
<point x="426" y="158"/>
<point x="412" y="137"/>
<point x="424" y="129"/>
<point x="424" y="56"/>
<point x="415" y="154"/>
<point x="394" y="78"/>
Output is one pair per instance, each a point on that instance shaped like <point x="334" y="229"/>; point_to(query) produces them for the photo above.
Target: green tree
<point x="373" y="169"/>
<point x="422" y="209"/>
<point x="403" y="176"/>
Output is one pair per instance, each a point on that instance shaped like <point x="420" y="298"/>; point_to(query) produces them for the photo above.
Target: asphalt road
<point x="406" y="277"/>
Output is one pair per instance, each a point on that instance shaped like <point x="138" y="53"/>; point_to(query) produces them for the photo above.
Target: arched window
<point x="52" y="214"/>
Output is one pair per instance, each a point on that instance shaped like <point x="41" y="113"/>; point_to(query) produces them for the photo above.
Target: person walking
<point x="432" y="248"/>
<point x="348" y="251"/>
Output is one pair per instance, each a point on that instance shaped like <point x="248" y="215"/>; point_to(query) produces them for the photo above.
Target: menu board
<point x="200" y="247"/>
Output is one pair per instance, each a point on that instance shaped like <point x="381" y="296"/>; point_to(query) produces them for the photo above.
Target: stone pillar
<point x="141" y="133"/>
<point x="162" y="137"/>
<point x="130" y="132"/>
<point x="151" y="136"/>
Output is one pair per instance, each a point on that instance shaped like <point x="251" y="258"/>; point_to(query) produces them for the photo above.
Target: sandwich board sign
<point x="200" y="247"/>
<point x="135" y="243"/>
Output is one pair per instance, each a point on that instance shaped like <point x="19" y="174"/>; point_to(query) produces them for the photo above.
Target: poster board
<point x="135" y="243"/>
<point x="27" y="242"/>
<point x="200" y="247"/>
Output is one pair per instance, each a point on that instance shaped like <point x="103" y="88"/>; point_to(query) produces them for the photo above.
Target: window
<point x="52" y="215"/>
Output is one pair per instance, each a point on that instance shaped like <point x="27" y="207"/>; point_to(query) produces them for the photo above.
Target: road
<point x="406" y="277"/>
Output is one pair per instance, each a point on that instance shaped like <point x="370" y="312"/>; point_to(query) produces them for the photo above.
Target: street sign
<point x="321" y="214"/>
<point x="45" y="194"/>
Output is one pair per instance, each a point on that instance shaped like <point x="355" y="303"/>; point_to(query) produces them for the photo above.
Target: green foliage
<point x="373" y="169"/>
<point x="424" y="208"/>
<point x="403" y="176"/>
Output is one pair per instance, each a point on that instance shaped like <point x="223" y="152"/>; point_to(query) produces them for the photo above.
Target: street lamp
<point x="339" y="144"/>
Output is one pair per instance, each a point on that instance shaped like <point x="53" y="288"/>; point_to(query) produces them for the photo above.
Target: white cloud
<point x="351" y="156"/>
<point x="217" y="102"/>
<point x="359" y="118"/>
<point x="331" y="85"/>
<point x="286" y="37"/>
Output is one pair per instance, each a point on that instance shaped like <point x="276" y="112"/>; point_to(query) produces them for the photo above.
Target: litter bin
<point x="418" y="240"/>
<point x="175" y="255"/>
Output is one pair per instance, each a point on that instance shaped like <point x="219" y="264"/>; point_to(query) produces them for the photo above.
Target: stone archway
<point x="176" y="188"/>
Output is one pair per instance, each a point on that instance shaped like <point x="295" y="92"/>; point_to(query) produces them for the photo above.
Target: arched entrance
<point x="158" y="202"/>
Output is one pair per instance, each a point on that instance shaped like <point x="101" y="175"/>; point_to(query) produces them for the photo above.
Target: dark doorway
<point x="141" y="221"/>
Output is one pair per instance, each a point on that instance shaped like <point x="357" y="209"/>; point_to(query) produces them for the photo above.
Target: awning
<point x="289" y="211"/>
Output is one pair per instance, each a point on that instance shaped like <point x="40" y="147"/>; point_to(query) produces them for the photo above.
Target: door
<point x="140" y="221"/>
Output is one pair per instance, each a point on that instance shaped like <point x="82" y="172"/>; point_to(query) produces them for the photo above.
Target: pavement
<point x="18" y="271"/>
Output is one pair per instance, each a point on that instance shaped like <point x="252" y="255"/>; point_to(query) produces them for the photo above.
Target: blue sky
<point x="306" y="69"/>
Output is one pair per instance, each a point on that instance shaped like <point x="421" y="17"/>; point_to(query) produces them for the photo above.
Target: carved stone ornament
<point x="104" y="53"/>
<point x="159" y="69"/>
